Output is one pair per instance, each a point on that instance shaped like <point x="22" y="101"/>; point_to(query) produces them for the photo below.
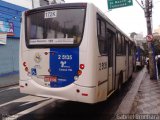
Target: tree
<point x="156" y="42"/>
<point x="145" y="46"/>
<point x="133" y="34"/>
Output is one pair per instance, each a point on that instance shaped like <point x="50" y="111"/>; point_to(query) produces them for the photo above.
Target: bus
<point x="74" y="52"/>
<point x="140" y="58"/>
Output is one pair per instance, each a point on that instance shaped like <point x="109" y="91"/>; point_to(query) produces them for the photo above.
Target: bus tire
<point x="120" y="80"/>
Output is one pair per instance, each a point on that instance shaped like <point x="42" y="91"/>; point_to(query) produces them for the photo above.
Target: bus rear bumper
<point x="71" y="92"/>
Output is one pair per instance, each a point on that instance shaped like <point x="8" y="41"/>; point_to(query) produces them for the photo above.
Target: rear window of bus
<point x="55" y="28"/>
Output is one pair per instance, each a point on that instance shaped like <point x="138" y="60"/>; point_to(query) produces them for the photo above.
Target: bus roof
<point x="64" y="5"/>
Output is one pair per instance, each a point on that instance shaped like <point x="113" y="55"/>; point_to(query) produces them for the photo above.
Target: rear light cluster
<point x="25" y="66"/>
<point x="27" y="70"/>
<point x="79" y="72"/>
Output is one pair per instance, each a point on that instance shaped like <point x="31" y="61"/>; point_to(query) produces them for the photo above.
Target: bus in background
<point x="140" y="58"/>
<point x="73" y="52"/>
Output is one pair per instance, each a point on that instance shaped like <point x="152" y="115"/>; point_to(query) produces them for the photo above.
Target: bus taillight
<point x="24" y="64"/>
<point x="82" y="66"/>
<point x="84" y="94"/>
<point x="26" y="69"/>
<point x="79" y="72"/>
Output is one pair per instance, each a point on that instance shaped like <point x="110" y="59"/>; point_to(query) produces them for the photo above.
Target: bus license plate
<point x="50" y="79"/>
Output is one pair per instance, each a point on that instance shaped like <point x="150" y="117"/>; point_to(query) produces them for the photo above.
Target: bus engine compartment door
<point x="64" y="64"/>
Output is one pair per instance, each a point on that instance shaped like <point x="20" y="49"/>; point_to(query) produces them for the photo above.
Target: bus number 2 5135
<point x="65" y="57"/>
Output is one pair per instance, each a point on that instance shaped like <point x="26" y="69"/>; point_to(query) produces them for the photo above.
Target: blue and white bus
<point x="73" y="52"/>
<point x="140" y="58"/>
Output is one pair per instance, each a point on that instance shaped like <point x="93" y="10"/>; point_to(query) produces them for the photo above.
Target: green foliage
<point x="156" y="43"/>
<point x="145" y="46"/>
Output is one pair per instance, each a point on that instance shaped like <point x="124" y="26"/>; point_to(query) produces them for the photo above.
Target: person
<point x="148" y="65"/>
<point x="158" y="65"/>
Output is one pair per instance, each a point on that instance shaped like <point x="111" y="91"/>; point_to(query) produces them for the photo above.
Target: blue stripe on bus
<point x="138" y="53"/>
<point x="64" y="64"/>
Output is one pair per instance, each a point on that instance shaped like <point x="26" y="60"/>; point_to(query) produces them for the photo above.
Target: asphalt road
<point x="25" y="107"/>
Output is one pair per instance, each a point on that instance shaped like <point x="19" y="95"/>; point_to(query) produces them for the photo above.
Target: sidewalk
<point x="127" y="102"/>
<point x="9" y="79"/>
<point x="142" y="102"/>
<point x="147" y="100"/>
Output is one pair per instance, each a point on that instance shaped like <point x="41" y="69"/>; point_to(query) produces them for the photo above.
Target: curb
<point x="9" y="85"/>
<point x="126" y="104"/>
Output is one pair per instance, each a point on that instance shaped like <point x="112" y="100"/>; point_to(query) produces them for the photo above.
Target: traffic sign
<point x="149" y="38"/>
<point x="119" y="3"/>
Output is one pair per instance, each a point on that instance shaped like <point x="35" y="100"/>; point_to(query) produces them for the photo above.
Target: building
<point x="22" y="3"/>
<point x="157" y="31"/>
<point x="38" y="3"/>
<point x="139" y="40"/>
<point x="10" y="17"/>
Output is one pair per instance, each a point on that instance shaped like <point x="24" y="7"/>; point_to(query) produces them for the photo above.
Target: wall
<point x="9" y="52"/>
<point x="23" y="3"/>
<point x="9" y="56"/>
<point x="11" y="13"/>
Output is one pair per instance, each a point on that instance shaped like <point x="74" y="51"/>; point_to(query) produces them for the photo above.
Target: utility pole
<point x="32" y="4"/>
<point x="151" y="52"/>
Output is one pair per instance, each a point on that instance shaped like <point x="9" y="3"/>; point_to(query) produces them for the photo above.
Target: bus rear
<point x="50" y="50"/>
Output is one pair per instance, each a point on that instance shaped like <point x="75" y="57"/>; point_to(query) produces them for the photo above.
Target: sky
<point x="128" y="19"/>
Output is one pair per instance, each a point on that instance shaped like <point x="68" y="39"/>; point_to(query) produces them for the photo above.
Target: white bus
<point x="73" y="52"/>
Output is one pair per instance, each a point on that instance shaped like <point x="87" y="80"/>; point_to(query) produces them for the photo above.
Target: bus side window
<point x="129" y="50"/>
<point x="110" y="36"/>
<point x="123" y="46"/>
<point x="125" y="43"/>
<point x="119" y="44"/>
<point x="98" y="27"/>
<point x="101" y="34"/>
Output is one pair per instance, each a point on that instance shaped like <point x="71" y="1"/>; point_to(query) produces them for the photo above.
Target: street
<point x="13" y="104"/>
<point x="61" y="58"/>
